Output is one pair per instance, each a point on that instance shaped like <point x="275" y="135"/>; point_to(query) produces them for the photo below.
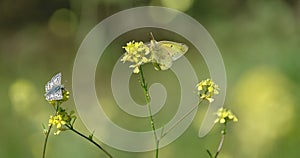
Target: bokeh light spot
<point x="23" y="96"/>
<point x="265" y="107"/>
<point x="63" y="22"/>
<point x="182" y="5"/>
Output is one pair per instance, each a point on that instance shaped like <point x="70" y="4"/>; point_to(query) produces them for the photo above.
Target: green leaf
<point x="91" y="136"/>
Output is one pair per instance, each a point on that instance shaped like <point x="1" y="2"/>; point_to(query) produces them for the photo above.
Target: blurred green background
<point x="259" y="42"/>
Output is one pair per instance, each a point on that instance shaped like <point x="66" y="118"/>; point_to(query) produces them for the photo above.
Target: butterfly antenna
<point x="152" y="36"/>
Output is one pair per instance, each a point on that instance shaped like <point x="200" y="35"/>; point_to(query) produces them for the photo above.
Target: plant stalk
<point x="89" y="139"/>
<point x="181" y="119"/>
<point x="46" y="140"/>
<point x="48" y="132"/>
<point x="148" y="100"/>
<point x="221" y="144"/>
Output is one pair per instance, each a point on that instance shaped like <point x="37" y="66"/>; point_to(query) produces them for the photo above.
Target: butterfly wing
<point x="55" y="81"/>
<point x="176" y="50"/>
<point x="55" y="93"/>
<point x="54" y="88"/>
<point x="160" y="55"/>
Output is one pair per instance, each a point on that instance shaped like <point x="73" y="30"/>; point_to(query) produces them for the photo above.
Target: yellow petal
<point x="210" y="99"/>
<point x="136" y="70"/>
<point x="222" y="120"/>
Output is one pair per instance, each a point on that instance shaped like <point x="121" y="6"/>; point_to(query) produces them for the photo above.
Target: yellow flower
<point x="136" y="53"/>
<point x="57" y="132"/>
<point x="225" y="115"/>
<point x="62" y="118"/>
<point x="58" y="122"/>
<point x="206" y="89"/>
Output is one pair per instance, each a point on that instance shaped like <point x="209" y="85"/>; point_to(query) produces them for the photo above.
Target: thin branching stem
<point x="181" y="119"/>
<point x="221" y="141"/>
<point x="46" y="140"/>
<point x="48" y="131"/>
<point x="148" y="100"/>
<point x="209" y="153"/>
<point x="220" y="146"/>
<point x="89" y="139"/>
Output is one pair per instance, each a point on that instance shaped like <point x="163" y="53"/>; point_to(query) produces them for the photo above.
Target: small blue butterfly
<point x="54" y="88"/>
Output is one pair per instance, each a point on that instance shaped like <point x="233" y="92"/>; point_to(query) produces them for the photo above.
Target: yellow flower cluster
<point x="136" y="53"/>
<point x="58" y="122"/>
<point x="206" y="89"/>
<point x="225" y="115"/>
<point x="62" y="118"/>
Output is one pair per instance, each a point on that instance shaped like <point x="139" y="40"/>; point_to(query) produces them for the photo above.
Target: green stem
<point x="181" y="119"/>
<point x="148" y="99"/>
<point x="48" y="132"/>
<point x="46" y="140"/>
<point x="89" y="139"/>
<point x="209" y="153"/>
<point x="221" y="142"/>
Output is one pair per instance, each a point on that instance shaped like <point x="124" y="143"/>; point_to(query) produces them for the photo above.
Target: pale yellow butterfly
<point x="163" y="53"/>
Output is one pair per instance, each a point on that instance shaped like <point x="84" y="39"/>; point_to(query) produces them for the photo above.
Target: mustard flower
<point x="58" y="122"/>
<point x="136" y="53"/>
<point x="206" y="89"/>
<point x="62" y="118"/>
<point x="225" y="115"/>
